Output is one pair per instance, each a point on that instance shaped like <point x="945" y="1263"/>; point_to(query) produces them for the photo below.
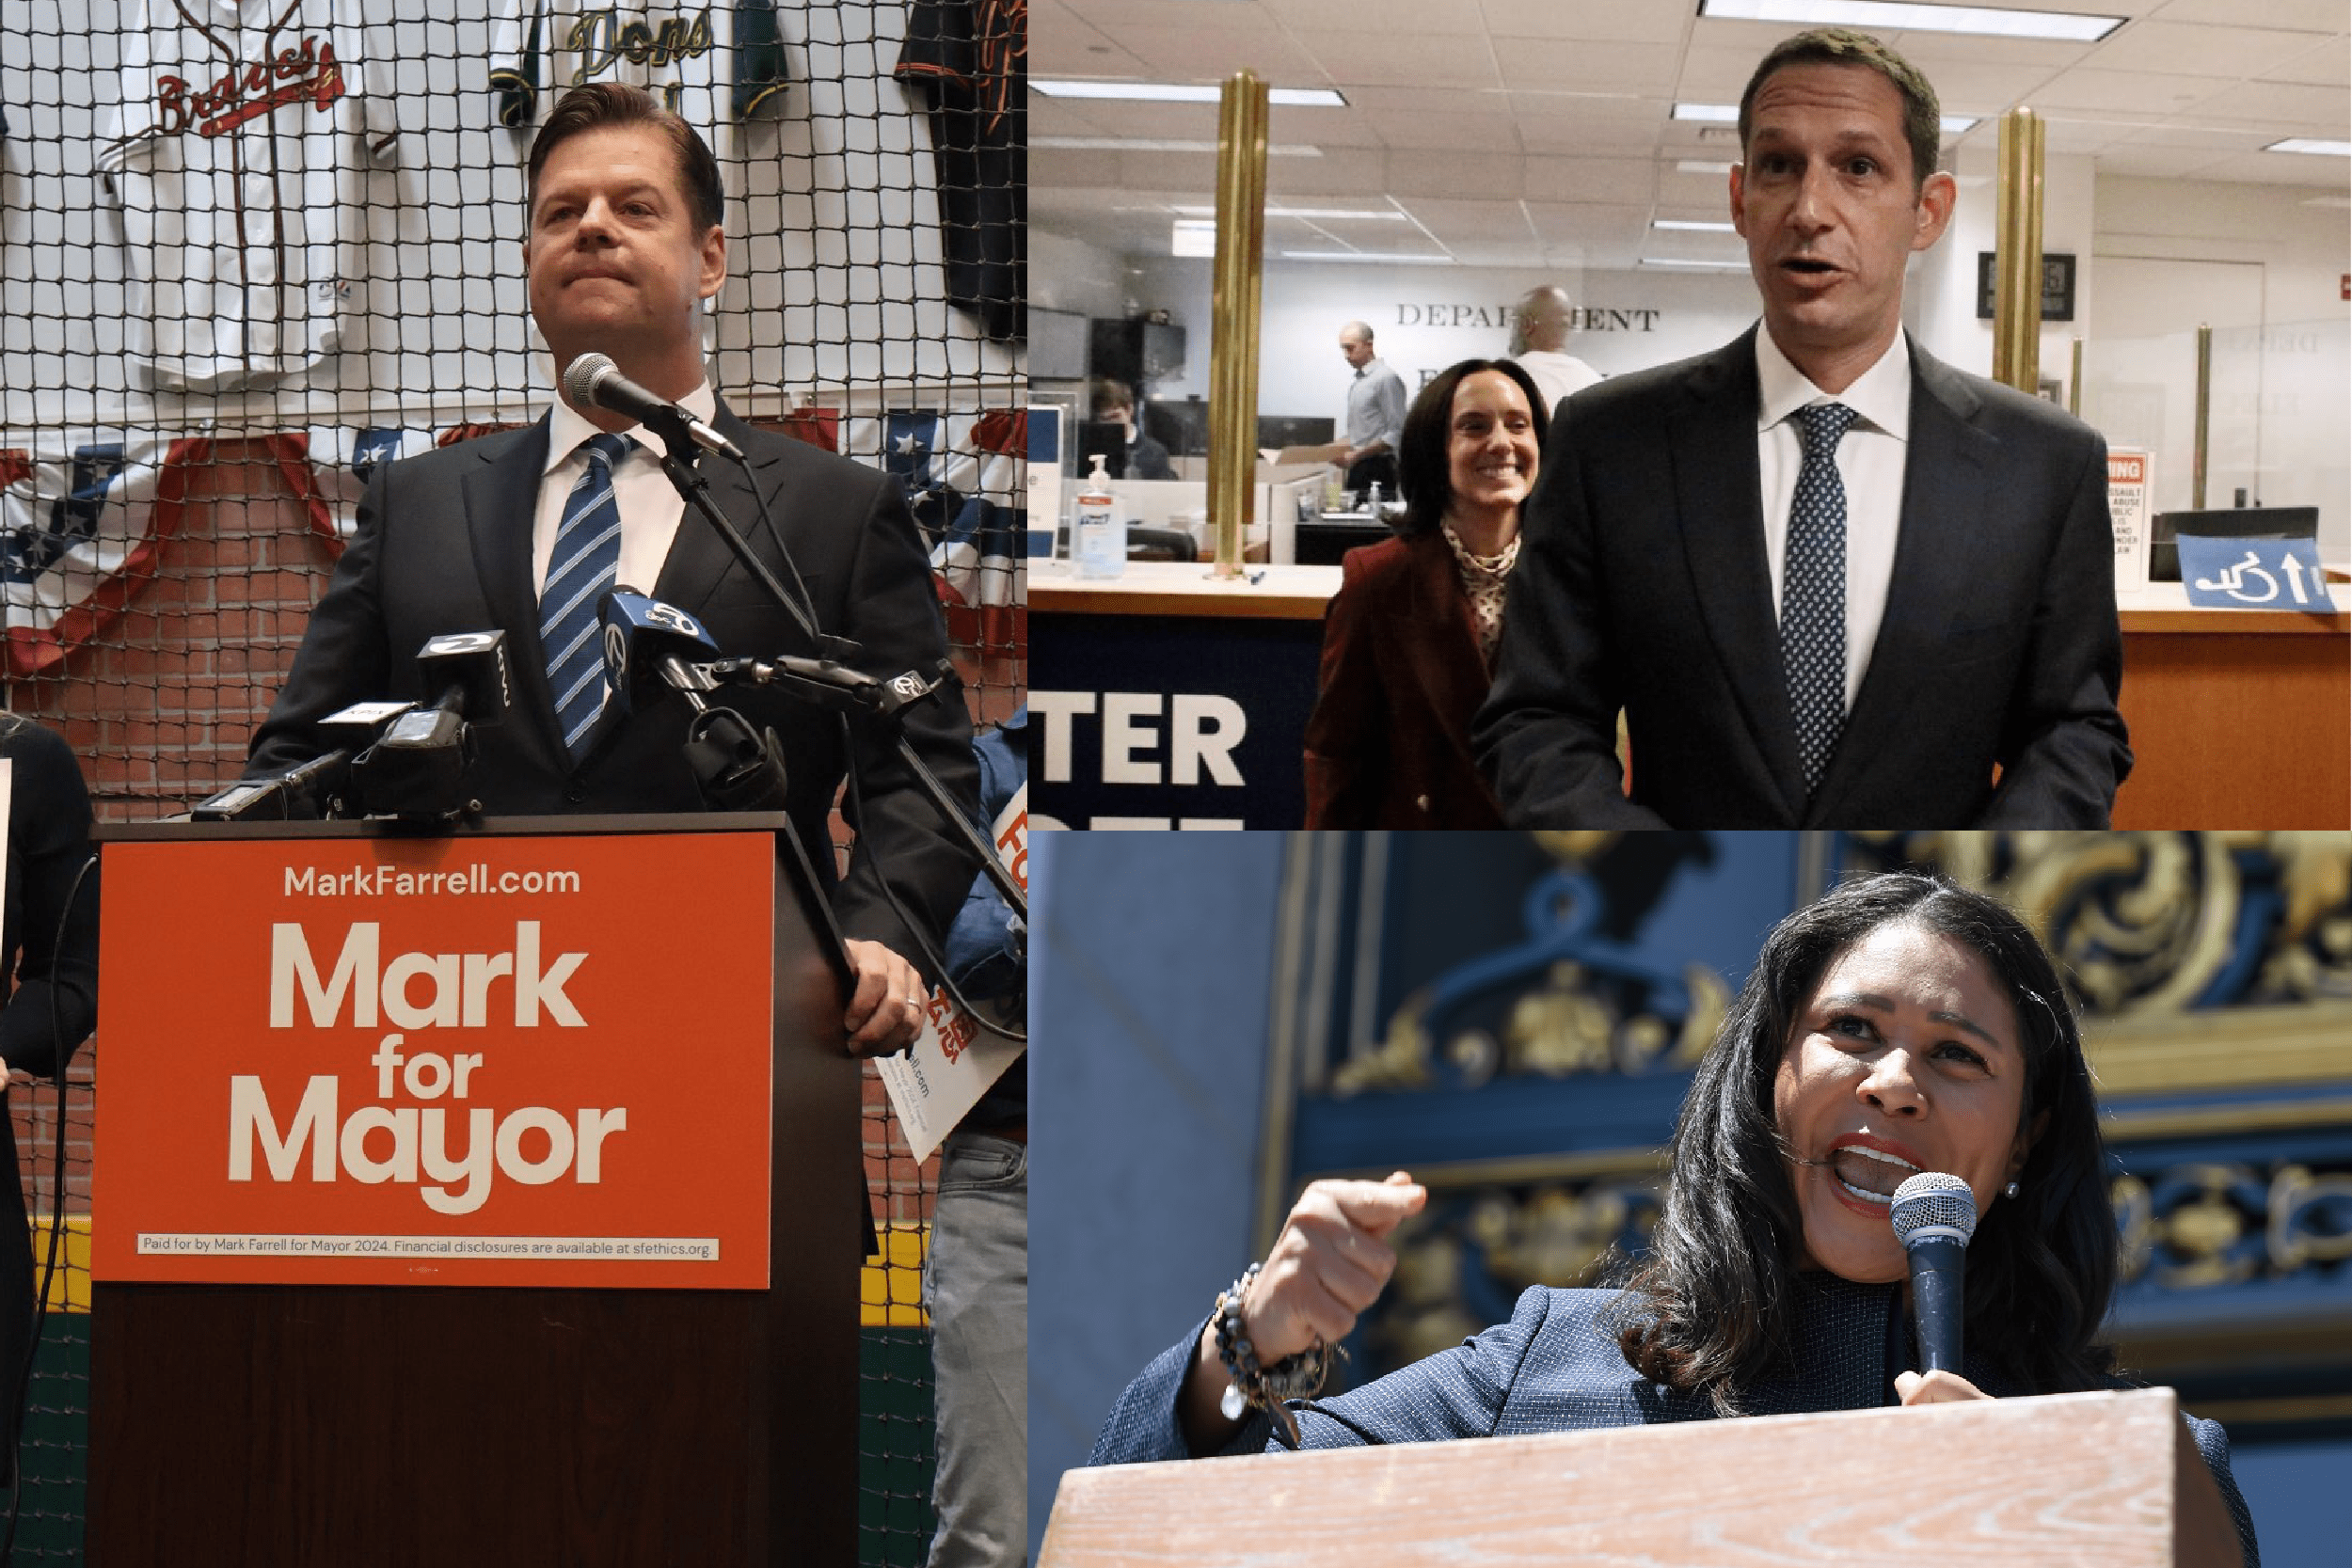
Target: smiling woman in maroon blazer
<point x="1408" y="641"/>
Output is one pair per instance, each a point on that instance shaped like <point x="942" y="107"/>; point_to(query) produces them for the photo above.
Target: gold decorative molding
<point x="2222" y="1048"/>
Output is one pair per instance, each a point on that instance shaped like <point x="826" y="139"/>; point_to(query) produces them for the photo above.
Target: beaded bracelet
<point x="1296" y="1376"/>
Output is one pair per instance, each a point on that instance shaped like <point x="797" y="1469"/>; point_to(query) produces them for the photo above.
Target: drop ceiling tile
<point x="1476" y="135"/>
<point x="1451" y="174"/>
<point x="2328" y="66"/>
<point x="1209" y="55"/>
<point x="2279" y="169"/>
<point x="1405" y="19"/>
<point x="2321" y="111"/>
<point x="1650" y="69"/>
<point x="1593" y="21"/>
<point x="1446" y="61"/>
<point x="1623" y="180"/>
<point x="2185" y="49"/>
<point x="2309" y="16"/>
<point x="2137" y="92"/>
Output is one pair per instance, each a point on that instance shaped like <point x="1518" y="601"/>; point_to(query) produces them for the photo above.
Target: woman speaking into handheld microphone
<point x="1901" y="1025"/>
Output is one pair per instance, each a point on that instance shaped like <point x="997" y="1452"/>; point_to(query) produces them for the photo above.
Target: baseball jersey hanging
<point x="238" y="153"/>
<point x="972" y="56"/>
<point x="539" y="47"/>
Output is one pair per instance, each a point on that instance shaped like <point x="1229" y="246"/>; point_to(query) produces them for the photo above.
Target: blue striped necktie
<point x="1813" y="593"/>
<point x="580" y="571"/>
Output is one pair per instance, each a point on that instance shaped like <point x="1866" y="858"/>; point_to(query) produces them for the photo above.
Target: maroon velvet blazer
<point x="1389" y="743"/>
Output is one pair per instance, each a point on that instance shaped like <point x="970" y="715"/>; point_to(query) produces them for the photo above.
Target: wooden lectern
<point x="2093" y="1480"/>
<point x="458" y="1422"/>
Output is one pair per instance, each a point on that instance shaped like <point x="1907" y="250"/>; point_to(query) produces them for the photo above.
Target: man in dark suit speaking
<point x="1829" y="581"/>
<point x="526" y="531"/>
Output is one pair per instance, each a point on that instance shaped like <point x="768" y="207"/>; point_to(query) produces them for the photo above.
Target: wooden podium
<point x="312" y="1423"/>
<point x="2093" y="1480"/>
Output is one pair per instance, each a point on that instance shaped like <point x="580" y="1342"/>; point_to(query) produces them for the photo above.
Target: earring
<point x="2010" y="1191"/>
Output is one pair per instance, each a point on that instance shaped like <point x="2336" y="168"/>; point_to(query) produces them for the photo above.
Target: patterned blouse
<point x="1482" y="580"/>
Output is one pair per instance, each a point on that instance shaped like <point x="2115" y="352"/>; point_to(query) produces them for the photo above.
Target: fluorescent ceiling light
<point x="1364" y="256"/>
<point x="1695" y="166"/>
<point x="1729" y="114"/>
<point x="1187" y="92"/>
<point x="2071" y="26"/>
<point x="2312" y="144"/>
<point x="1693" y="224"/>
<point x="1160" y="144"/>
<point x="1192" y="238"/>
<point x="1383" y="214"/>
<point x="1697" y="267"/>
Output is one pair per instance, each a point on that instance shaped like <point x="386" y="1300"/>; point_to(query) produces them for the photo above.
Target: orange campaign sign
<point x="497" y="1061"/>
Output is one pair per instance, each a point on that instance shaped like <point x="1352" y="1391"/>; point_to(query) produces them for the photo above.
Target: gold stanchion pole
<point x="1240" y="268"/>
<point x="2075" y="381"/>
<point x="2204" y="414"/>
<point x="2017" y="254"/>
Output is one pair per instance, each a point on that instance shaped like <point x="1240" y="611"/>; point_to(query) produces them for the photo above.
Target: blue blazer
<point x="1556" y="1367"/>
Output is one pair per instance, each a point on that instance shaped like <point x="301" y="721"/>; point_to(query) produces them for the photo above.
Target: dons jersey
<point x="238" y="152"/>
<point x="712" y="65"/>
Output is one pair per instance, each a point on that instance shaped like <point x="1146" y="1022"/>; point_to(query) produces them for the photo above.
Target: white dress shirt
<point x="650" y="505"/>
<point x="1870" y="459"/>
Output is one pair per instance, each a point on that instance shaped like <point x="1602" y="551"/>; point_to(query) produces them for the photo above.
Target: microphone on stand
<point x="592" y="381"/>
<point x="737" y="765"/>
<point x="1934" y="1215"/>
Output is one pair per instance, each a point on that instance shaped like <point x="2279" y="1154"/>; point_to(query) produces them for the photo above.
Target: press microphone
<point x="416" y="766"/>
<point x="304" y="791"/>
<point x="1934" y="1215"/>
<point x="648" y="647"/>
<point x="593" y="381"/>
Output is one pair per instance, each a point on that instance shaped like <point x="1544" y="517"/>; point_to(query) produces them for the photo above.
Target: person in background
<point x="1898" y="1023"/>
<point x="1376" y="414"/>
<point x="49" y="952"/>
<point x="976" y="1272"/>
<point x="1115" y="405"/>
<point x="1539" y="337"/>
<point x="1408" y="640"/>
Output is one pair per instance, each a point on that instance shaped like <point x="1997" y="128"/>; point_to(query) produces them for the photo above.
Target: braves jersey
<point x="712" y="65"/>
<point x="238" y="152"/>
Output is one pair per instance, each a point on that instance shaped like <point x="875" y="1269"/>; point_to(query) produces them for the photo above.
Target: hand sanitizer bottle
<point x="1100" y="537"/>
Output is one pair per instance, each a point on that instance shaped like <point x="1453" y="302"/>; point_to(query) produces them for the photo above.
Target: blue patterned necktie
<point x="1813" y="593"/>
<point x="581" y="570"/>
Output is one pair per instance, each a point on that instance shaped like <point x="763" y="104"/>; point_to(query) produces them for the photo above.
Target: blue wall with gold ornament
<point x="1513" y="1018"/>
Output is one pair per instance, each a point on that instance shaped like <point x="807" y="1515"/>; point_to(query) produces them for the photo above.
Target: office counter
<point x="1168" y="698"/>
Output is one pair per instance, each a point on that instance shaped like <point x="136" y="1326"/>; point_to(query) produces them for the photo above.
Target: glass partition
<point x="2281" y="402"/>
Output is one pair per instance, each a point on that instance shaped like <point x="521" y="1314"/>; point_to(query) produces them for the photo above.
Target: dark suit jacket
<point x="1642" y="583"/>
<point x="1556" y="1367"/>
<point x="1388" y="745"/>
<point x="443" y="544"/>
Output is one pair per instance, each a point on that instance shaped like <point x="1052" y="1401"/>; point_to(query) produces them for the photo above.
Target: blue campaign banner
<point x="2253" y="574"/>
<point x="1167" y="721"/>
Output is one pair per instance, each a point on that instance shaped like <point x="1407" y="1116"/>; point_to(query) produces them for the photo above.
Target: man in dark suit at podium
<point x="525" y="530"/>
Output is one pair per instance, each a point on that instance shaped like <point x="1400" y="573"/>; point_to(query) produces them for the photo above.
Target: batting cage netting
<point x="250" y="249"/>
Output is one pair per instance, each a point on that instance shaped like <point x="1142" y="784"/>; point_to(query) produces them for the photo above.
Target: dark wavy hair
<point x="1712" y="1300"/>
<point x="1923" y="124"/>
<point x="1422" y="469"/>
<point x="600" y="104"/>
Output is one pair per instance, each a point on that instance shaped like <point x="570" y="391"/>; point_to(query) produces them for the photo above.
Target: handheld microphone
<point x="592" y="381"/>
<point x="1934" y="1215"/>
<point x="417" y="766"/>
<point x="647" y="646"/>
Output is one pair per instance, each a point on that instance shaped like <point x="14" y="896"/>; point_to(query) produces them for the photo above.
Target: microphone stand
<point x="695" y="490"/>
